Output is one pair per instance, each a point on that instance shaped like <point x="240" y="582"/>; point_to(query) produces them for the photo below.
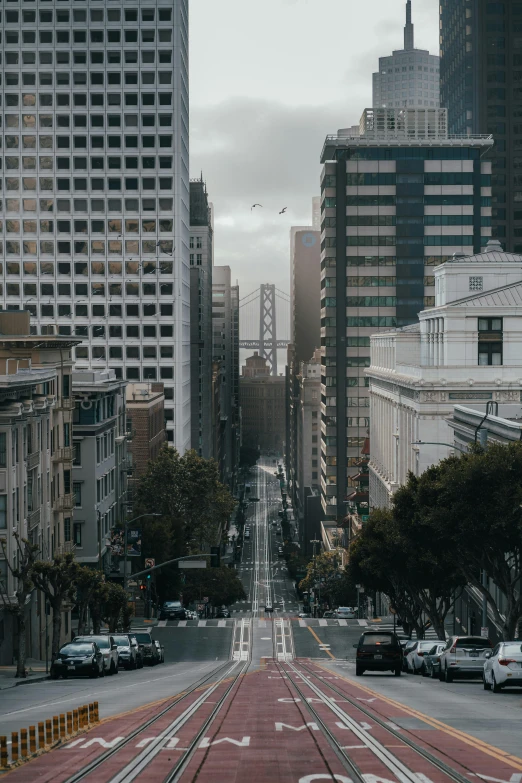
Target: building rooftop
<point x="94" y="379"/>
<point x="143" y="392"/>
<point x="493" y="253"/>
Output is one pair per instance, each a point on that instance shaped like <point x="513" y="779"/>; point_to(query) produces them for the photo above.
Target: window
<point x="490" y="341"/>
<point x="3" y="512"/>
<point x="77" y="460"/>
<point x="77" y="528"/>
<point x="77" y="492"/>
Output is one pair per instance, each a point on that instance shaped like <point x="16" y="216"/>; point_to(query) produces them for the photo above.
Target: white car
<point x="415" y="657"/>
<point x="503" y="666"/>
<point x="345" y="613"/>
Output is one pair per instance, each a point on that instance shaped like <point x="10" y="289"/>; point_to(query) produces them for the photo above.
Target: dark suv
<point x="378" y="651"/>
<point x="173" y="610"/>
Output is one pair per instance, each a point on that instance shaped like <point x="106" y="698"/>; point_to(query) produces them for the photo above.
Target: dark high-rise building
<point x="481" y="86"/>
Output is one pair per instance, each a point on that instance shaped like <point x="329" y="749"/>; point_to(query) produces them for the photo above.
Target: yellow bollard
<point x="56" y="729"/>
<point x="32" y="739"/>
<point x="14" y="746"/>
<point x="96" y="712"/>
<point x="76" y="724"/>
<point x="81" y="712"/>
<point x="62" y="726"/>
<point x="3" y="752"/>
<point x="48" y="732"/>
<point x="92" y="719"/>
<point x="23" y="743"/>
<point x="69" y="723"/>
<point x="41" y="735"/>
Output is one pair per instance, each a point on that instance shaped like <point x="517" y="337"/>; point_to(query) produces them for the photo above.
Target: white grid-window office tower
<point x="95" y="202"/>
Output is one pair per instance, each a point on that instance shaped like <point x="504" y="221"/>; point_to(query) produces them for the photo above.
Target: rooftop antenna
<point x="408" y="29"/>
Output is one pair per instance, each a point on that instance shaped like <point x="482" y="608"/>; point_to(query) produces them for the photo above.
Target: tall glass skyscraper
<point x="95" y="209"/>
<point x="481" y="86"/>
<point x="408" y="77"/>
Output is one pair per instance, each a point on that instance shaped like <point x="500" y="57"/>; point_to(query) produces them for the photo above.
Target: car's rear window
<point x="101" y="641"/>
<point x="512" y="649"/>
<point x="144" y="638"/>
<point x="122" y="640"/>
<point x="172" y="604"/>
<point x="378" y="638"/>
<point x="77" y="649"/>
<point x="473" y="641"/>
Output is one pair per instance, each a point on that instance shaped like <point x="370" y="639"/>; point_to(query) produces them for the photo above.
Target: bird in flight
<point x="283" y="210"/>
<point x="255" y="205"/>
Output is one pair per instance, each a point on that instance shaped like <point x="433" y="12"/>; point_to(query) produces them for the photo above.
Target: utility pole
<point x="315" y="541"/>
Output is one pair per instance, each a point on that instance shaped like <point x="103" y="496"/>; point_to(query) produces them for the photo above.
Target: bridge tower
<point x="267" y="326"/>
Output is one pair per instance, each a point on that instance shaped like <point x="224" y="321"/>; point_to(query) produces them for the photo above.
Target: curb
<point x="24" y="682"/>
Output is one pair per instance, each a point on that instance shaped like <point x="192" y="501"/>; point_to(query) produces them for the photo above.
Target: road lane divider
<point x="322" y="646"/>
<point x="56" y="731"/>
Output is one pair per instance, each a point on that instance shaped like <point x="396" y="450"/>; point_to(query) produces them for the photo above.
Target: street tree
<point x="221" y="586"/>
<point x="88" y="583"/>
<point x="116" y="607"/>
<point x="472" y="505"/>
<point x="57" y="580"/>
<point x="24" y="585"/>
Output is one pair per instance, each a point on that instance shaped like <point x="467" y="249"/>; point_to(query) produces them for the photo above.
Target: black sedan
<point x="432" y="661"/>
<point x="78" y="658"/>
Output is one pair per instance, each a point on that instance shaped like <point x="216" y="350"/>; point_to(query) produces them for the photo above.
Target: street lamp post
<point x="315" y="541"/>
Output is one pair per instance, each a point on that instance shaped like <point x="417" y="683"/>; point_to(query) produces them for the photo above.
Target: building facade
<point x="145" y="425"/>
<point x="481" y="74"/>
<point x="465" y="349"/>
<point x="100" y="464"/>
<point x="308" y="433"/>
<point x="397" y="201"/>
<point x="263" y="407"/>
<point x="97" y="208"/>
<point x="201" y="263"/>
<point x="409" y="77"/>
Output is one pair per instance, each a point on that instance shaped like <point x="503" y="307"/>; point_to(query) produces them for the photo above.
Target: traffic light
<point x="148" y="576"/>
<point x="215" y="557"/>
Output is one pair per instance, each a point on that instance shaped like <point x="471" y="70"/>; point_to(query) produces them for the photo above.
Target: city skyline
<point x="252" y="106"/>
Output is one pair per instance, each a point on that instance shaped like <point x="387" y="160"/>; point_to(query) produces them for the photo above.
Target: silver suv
<point x="108" y="648"/>
<point x="463" y="657"/>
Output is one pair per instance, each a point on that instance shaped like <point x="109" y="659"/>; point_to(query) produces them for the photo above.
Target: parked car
<point x="149" y="652"/>
<point x="432" y="661"/>
<point x="191" y="615"/>
<point x="503" y="666"/>
<point x="108" y="647"/>
<point x="160" y="650"/>
<point x="247" y="533"/>
<point x="345" y="613"/>
<point x="464" y="657"/>
<point x="269" y="608"/>
<point x="407" y="645"/>
<point x="223" y="612"/>
<point x="78" y="658"/>
<point x="415" y="656"/>
<point x="378" y="651"/>
<point x="173" y="610"/>
<point x="328" y="614"/>
<point x="139" y="652"/>
<point x="127" y="654"/>
<point x="280" y="551"/>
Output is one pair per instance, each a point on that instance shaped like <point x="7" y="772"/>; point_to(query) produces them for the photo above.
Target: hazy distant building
<point x="408" y="77"/>
<point x="263" y="412"/>
<point x="201" y="263"/>
<point x="145" y="424"/>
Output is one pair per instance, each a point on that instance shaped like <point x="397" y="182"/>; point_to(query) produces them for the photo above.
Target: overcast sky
<point x="269" y="79"/>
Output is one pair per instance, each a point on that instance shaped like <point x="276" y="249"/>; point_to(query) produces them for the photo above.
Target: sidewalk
<point x="35" y="673"/>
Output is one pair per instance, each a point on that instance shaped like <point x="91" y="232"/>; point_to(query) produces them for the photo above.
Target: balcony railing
<point x="33" y="460"/>
<point x="64" y="503"/>
<point x="33" y="518"/>
<point x="64" y="454"/>
<point x="65" y="404"/>
<point x="66" y="548"/>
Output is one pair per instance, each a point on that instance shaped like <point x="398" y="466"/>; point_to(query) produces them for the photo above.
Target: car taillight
<point x="420" y="654"/>
<point x="454" y="648"/>
<point x="506" y="661"/>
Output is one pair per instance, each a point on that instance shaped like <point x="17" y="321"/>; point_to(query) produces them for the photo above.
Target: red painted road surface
<point x="266" y="732"/>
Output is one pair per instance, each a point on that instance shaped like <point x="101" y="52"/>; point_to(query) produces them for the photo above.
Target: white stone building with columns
<point x="465" y="350"/>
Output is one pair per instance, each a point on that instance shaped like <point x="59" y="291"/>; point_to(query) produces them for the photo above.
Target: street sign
<point x="193" y="564"/>
<point x="205" y="600"/>
<point x="484" y="632"/>
<point x="201" y="607"/>
<point x="150" y="562"/>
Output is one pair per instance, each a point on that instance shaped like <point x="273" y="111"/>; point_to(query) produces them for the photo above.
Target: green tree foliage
<point x="89" y="582"/>
<point x="470" y="507"/>
<point x="115" y="607"/>
<point x="194" y="507"/>
<point x="221" y="586"/>
<point x="324" y="574"/>
<point x="57" y="580"/>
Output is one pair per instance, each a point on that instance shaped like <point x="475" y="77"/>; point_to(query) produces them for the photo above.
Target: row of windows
<point x="383" y="241"/>
<point x="80" y="58"/>
<point x="330" y="263"/>
<point x="132" y="373"/>
<point x="12" y="162"/>
<point x="113" y="205"/>
<point x="430" y="178"/>
<point x="63" y="79"/>
<point x="82" y="311"/>
<point x="95" y="15"/>
<point x="97" y="247"/>
<point x="64" y="37"/>
<point x="104" y="446"/>
<point x="97" y="99"/>
<point x="46" y="121"/>
<point x="48" y="184"/>
<point x="96" y="142"/>
<point x="130" y="352"/>
<point x="30" y="268"/>
<point x="114" y="289"/>
<point x="431" y="201"/>
<point x="105" y="485"/>
<point x="47" y="226"/>
<point x="392" y="220"/>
